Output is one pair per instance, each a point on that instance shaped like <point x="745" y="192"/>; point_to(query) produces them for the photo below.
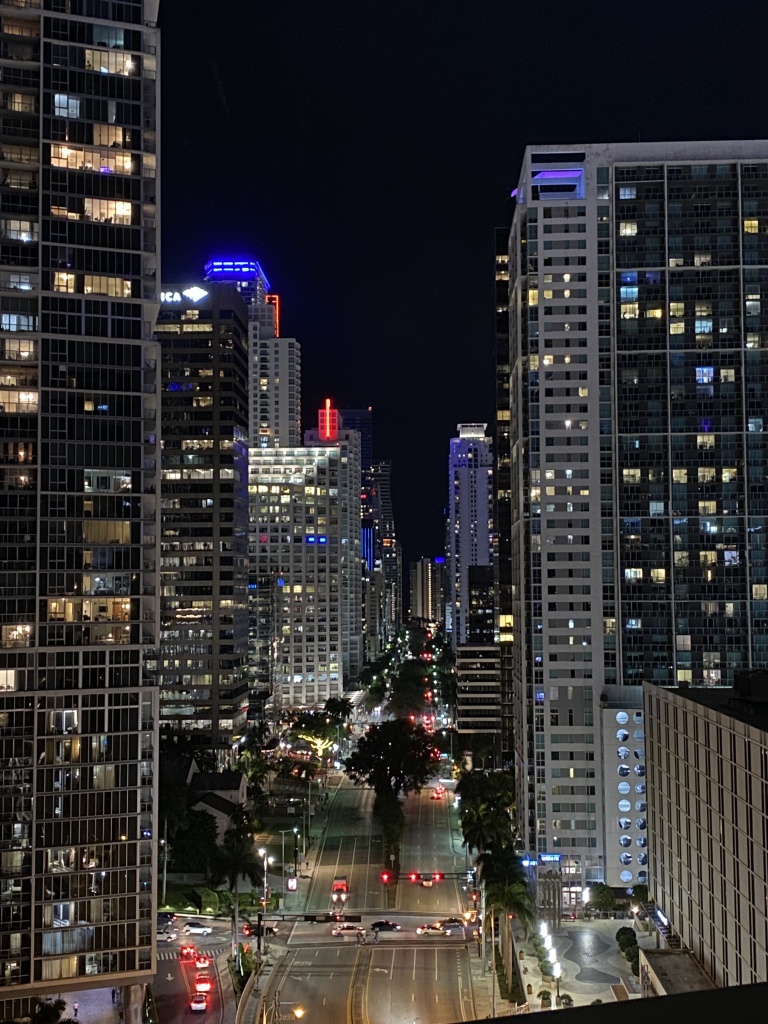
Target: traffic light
<point x="437" y="876"/>
<point x="385" y="877"/>
<point x="475" y="896"/>
<point x="414" y="876"/>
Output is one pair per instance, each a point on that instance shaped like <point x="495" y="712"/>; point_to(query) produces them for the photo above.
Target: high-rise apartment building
<point x="78" y="416"/>
<point x="470" y="513"/>
<point x="274" y="362"/>
<point x="383" y="515"/>
<point x="638" y="364"/>
<point x="502" y="498"/>
<point x="427" y="589"/>
<point x="329" y="433"/>
<point x="203" y="335"/>
<point x="708" y="821"/>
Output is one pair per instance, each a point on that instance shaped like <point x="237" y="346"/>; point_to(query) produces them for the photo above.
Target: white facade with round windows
<point x="624" y="788"/>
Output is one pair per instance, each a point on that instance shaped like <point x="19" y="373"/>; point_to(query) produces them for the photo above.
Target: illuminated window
<point x="755" y="424"/>
<point x="65" y="105"/>
<point x="677" y="328"/>
<point x="729" y="474"/>
<point x="118" y="287"/>
<point x="77" y="158"/>
<point x="677" y="309"/>
<point x="631" y="476"/>
<point x="627" y="192"/>
<point x="703" y="326"/>
<point x="750" y="227"/>
<point x="533" y="296"/>
<point x="705" y="441"/>
<point x="111" y="62"/>
<point x="707" y="508"/>
<point x="63" y="282"/>
<point x="627" y="228"/>
<point x="727" y="376"/>
<point x="681" y="559"/>
<point x="702" y="259"/>
<point x="628" y="293"/>
<point x="633" y="573"/>
<point x="108" y="211"/>
<point x="707" y="557"/>
<point x="760" y="591"/>
<point x="680" y="476"/>
<point x="654" y="314"/>
<point x="706" y="474"/>
<point x="630" y="310"/>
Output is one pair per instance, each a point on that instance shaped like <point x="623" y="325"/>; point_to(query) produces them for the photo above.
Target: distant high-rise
<point x="204" y="550"/>
<point x="79" y="402"/>
<point x="427" y="589"/>
<point x="274" y="362"/>
<point x="638" y="371"/>
<point x="382" y="512"/>
<point x="470" y="510"/>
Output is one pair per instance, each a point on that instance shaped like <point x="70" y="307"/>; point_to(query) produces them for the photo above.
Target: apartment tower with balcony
<point x="203" y="335"/>
<point x="638" y="321"/>
<point x="78" y="475"/>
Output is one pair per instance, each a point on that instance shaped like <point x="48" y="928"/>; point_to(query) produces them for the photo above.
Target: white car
<point x="198" y="1003"/>
<point x="166" y="934"/>
<point x="196" y="928"/>
<point x="431" y="929"/>
<point x="347" y="929"/>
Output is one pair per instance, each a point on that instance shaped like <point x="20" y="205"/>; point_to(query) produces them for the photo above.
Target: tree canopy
<point x="392" y="758"/>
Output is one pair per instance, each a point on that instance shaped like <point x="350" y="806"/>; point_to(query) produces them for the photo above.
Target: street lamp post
<point x="283" y="833"/>
<point x="557" y="970"/>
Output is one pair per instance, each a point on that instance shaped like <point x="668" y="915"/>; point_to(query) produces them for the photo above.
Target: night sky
<point x="364" y="152"/>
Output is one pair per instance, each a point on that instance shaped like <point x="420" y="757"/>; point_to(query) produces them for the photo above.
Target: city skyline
<point x="366" y="160"/>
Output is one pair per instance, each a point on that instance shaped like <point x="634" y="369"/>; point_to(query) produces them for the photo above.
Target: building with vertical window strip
<point x="203" y="335"/>
<point x="638" y="320"/>
<point x="79" y="404"/>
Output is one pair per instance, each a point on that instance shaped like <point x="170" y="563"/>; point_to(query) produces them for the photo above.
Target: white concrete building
<point x="638" y="370"/>
<point x="470" y="514"/>
<point x="708" y="819"/>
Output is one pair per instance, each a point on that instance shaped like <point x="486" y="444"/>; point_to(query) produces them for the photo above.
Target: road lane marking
<point x="392" y="968"/>
<point x="414" y="965"/>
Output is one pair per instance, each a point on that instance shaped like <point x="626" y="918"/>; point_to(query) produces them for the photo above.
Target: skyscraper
<point x="470" y="510"/>
<point x="305" y="532"/>
<point x="638" y="355"/>
<point x="427" y="589"/>
<point x="78" y="414"/>
<point x="203" y="335"/>
<point x="383" y="515"/>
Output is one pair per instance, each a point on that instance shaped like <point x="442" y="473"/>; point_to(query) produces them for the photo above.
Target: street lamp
<point x="548" y="942"/>
<point x="267" y="861"/>
<point x="543" y="929"/>
<point x="283" y="833"/>
<point x="557" y="970"/>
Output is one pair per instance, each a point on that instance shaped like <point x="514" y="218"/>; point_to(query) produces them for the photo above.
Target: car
<point x="165" y="918"/>
<point x="347" y="929"/>
<point x="427" y="883"/>
<point x="196" y="928"/>
<point x="166" y="934"/>
<point x="453" y="922"/>
<point x="434" y="795"/>
<point x="198" y="1003"/>
<point x="203" y="983"/>
<point x="202" y="961"/>
<point x="187" y="952"/>
<point x="266" y="929"/>
<point x="385" y="926"/>
<point x="432" y="929"/>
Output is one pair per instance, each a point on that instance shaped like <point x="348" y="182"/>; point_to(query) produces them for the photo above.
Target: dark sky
<point x="364" y="151"/>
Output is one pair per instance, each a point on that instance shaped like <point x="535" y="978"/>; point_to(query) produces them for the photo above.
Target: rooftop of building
<point x="216" y="782"/>
<point x="216" y="802"/>
<point x="677" y="970"/>
<point x="724" y="700"/>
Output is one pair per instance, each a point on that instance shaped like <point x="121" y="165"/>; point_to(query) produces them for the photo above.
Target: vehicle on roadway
<point x="187" y="952"/>
<point x="198" y="1003"/>
<point x="340" y="884"/>
<point x="453" y="922"/>
<point x="203" y="983"/>
<point x="166" y="934"/>
<point x="385" y="926"/>
<point x="347" y="929"/>
<point x="266" y="929"/>
<point x="165" y="919"/>
<point x="202" y="962"/>
<point x="432" y="929"/>
<point x="196" y="928"/>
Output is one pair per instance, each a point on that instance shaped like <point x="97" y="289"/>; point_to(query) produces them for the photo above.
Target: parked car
<point x="432" y="929"/>
<point x="385" y="926"/>
<point x="196" y="928"/>
<point x="198" y="1003"/>
<point x="347" y="929"/>
<point x="166" y="934"/>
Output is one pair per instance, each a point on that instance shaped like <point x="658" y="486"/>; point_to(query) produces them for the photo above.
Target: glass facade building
<point x="203" y="336"/>
<point x="78" y="437"/>
<point x="638" y="305"/>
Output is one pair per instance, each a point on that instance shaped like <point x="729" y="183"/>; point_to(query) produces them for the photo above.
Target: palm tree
<point x="502" y="865"/>
<point x="483" y="826"/>
<point x="48" y="1011"/>
<point x="234" y="859"/>
<point x="513" y="899"/>
<point x="339" y="707"/>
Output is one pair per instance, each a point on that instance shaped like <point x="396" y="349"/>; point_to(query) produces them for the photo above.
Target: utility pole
<point x="165" y="859"/>
<point x="482" y="923"/>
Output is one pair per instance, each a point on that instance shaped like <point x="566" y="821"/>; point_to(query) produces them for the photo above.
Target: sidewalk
<point x="95" y="1006"/>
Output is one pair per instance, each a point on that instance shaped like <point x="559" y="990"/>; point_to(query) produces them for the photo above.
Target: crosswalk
<point x="173" y="953"/>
